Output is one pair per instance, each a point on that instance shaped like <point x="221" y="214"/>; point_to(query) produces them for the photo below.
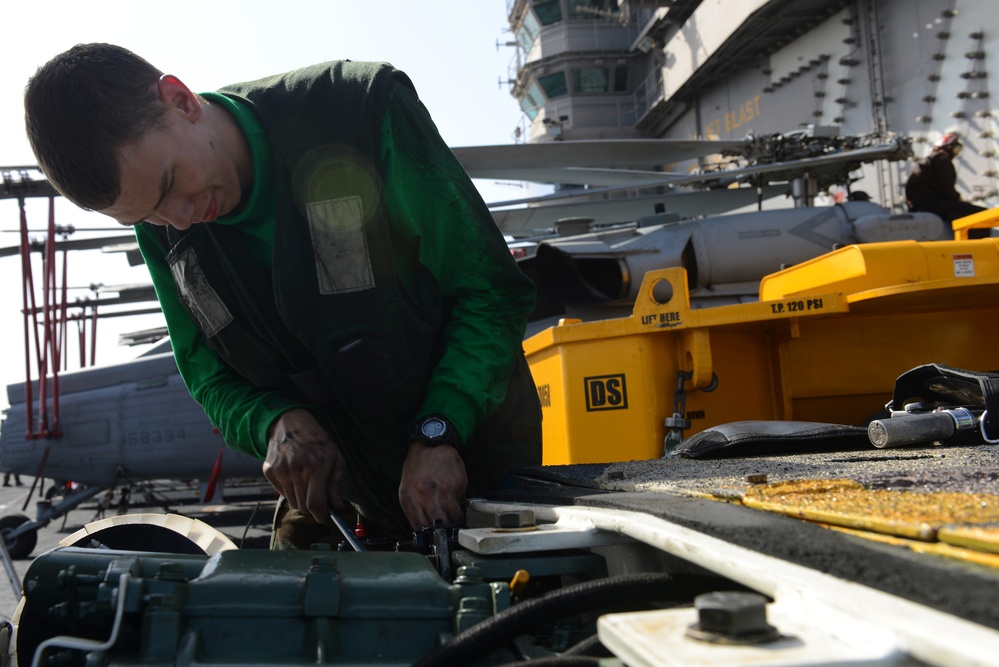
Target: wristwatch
<point x="434" y="430"/>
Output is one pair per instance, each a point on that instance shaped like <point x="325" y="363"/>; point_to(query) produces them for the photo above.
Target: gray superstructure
<point x="725" y="69"/>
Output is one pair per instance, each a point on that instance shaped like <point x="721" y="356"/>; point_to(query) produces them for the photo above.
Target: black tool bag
<point x="766" y="437"/>
<point x="932" y="385"/>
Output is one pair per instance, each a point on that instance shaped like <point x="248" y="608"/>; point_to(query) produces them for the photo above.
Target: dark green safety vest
<point x="341" y="330"/>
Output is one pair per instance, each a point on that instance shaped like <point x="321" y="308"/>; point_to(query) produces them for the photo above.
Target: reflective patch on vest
<point x="201" y="300"/>
<point x="343" y="263"/>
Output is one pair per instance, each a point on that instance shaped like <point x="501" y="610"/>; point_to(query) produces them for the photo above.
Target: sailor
<point x="338" y="297"/>
<point x="931" y="184"/>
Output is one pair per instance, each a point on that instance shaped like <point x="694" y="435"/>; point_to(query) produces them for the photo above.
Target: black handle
<point x="911" y="429"/>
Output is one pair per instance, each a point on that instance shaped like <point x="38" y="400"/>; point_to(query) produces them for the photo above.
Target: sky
<point x="455" y="51"/>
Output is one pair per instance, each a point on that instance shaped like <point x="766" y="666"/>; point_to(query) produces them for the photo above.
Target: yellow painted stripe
<point x="981" y="538"/>
<point x="907" y="514"/>
<point x="934" y="548"/>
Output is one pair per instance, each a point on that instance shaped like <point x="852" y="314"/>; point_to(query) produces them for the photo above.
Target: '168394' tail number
<point x="155" y="436"/>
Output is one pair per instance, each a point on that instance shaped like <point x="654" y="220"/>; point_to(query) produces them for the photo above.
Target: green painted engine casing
<point x="247" y="607"/>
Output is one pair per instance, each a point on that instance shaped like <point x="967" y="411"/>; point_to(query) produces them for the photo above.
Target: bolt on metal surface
<point x="514" y="521"/>
<point x="732" y="617"/>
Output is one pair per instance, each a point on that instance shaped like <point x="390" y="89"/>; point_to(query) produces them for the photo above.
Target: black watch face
<point x="433" y="428"/>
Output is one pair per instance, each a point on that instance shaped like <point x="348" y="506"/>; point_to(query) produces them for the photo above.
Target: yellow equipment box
<point x="825" y="343"/>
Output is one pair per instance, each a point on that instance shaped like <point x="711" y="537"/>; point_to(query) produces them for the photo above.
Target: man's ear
<point x="175" y="95"/>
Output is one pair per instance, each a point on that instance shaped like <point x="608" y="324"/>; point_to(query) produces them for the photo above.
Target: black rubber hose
<point x="591" y="646"/>
<point x="557" y="661"/>
<point x="487" y="636"/>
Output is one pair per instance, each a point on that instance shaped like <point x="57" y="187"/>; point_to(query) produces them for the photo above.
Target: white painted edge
<point x="925" y="633"/>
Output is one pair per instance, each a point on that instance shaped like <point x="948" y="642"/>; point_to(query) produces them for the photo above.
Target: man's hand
<point x="303" y="465"/>
<point x="433" y="486"/>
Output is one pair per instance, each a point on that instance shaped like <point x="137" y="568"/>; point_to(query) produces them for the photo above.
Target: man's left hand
<point x="433" y="486"/>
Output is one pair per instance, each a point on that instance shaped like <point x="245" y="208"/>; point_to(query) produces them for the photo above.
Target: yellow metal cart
<point x="825" y="343"/>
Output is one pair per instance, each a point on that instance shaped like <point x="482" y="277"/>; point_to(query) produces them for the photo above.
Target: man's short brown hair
<point x="80" y="108"/>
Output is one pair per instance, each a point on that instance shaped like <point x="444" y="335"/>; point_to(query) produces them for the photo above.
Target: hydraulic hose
<point x="485" y="637"/>
<point x="589" y="647"/>
<point x="557" y="661"/>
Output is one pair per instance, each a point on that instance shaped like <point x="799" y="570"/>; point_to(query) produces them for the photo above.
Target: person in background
<point x="338" y="296"/>
<point x="931" y="186"/>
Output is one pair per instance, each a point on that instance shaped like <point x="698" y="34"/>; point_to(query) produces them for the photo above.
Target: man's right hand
<point x="304" y="465"/>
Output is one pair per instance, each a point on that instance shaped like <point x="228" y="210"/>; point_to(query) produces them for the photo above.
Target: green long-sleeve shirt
<point x="432" y="206"/>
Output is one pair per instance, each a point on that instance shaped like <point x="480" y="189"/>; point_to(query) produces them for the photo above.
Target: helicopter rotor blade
<point x="581" y="176"/>
<point x="481" y="161"/>
<point x="74" y="244"/>
<point x="777" y="170"/>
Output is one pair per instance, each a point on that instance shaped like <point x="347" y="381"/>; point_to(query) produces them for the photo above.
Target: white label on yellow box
<point x="964" y="266"/>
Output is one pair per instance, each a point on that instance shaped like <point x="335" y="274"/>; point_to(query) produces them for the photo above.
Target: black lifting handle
<point x="920" y="428"/>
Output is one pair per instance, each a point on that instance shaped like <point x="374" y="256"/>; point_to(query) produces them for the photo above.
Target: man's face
<point x="179" y="174"/>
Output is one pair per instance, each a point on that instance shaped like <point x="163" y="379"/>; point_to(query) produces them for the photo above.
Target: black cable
<point x="249" y="522"/>
<point x="557" y="661"/>
<point x="591" y="646"/>
<point x="487" y="636"/>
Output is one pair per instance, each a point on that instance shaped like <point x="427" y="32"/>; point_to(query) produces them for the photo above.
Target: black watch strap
<point x="434" y="430"/>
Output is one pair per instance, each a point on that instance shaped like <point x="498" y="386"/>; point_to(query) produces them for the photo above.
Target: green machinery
<point x="237" y="607"/>
<point x="100" y="606"/>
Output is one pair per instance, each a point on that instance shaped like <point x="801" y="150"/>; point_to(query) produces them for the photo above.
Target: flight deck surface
<point x="871" y="544"/>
